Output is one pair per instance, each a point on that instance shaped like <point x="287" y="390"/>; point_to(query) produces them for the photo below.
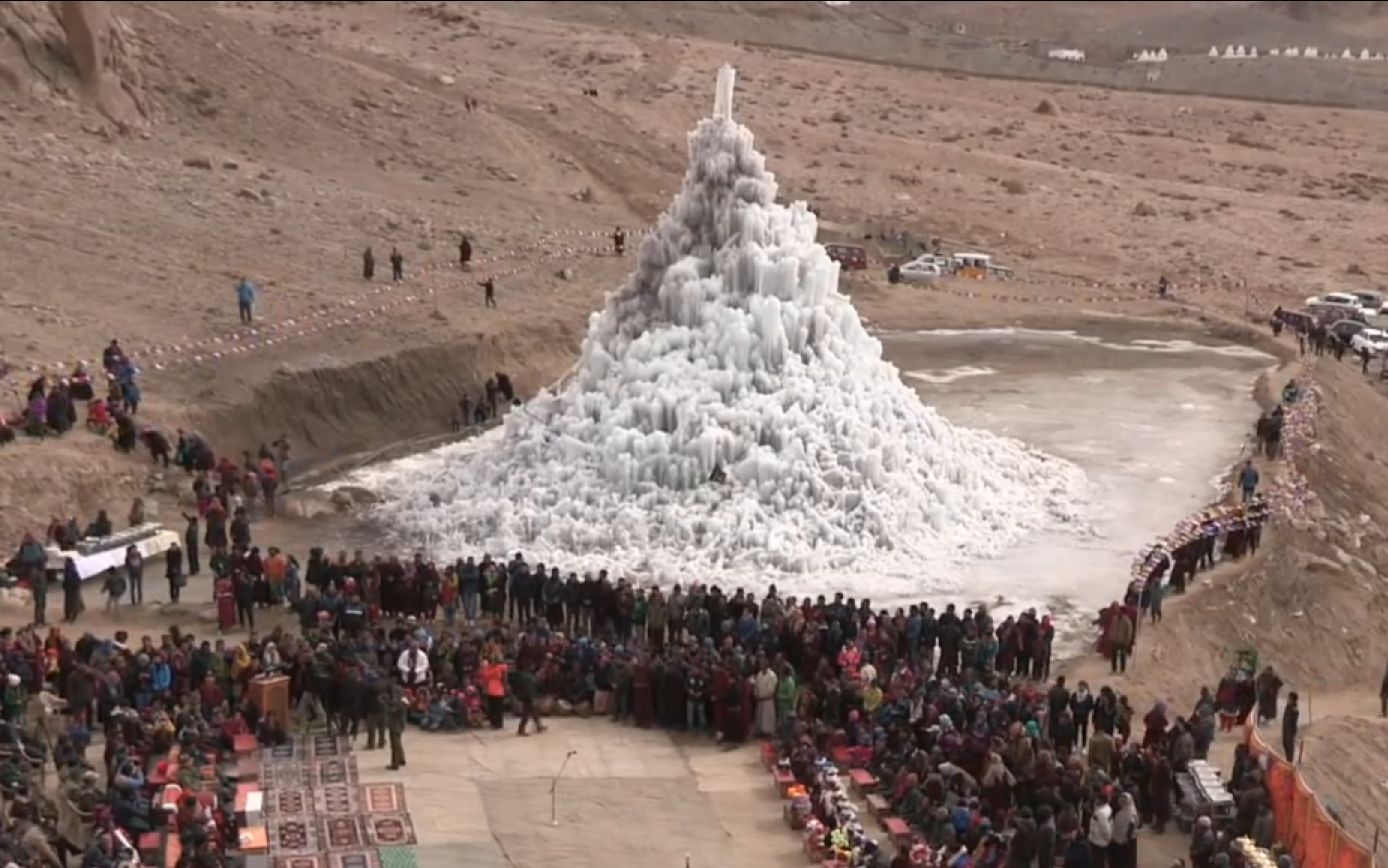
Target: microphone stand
<point x="554" y="789"/>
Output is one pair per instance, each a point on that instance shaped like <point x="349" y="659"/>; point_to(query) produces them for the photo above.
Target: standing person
<point x="492" y="674"/>
<point x="114" y="586"/>
<point x="489" y="292"/>
<point x="397" y="265"/>
<point x="525" y="690"/>
<point x="72" y="591"/>
<point x="1291" y="719"/>
<point x="173" y="570"/>
<point x="1364" y="357"/>
<point x="245" y="300"/>
<point x="243" y="588"/>
<point x="368" y="264"/>
<point x="32" y="561"/>
<point x="1248" y="480"/>
<point x="1100" y="833"/>
<point x="281" y="447"/>
<point x="1120" y="639"/>
<point x="619" y="241"/>
<point x="190" y="543"/>
<point x="1268" y="685"/>
<point x="396" y="706"/>
<point x="373" y="698"/>
<point x="764" y="687"/>
<point x="465" y="253"/>
<point x="225" y="593"/>
<point x="135" y="566"/>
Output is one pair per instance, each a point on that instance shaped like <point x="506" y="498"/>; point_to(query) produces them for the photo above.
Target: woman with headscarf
<point x="72" y="591"/>
<point x="1122" y="850"/>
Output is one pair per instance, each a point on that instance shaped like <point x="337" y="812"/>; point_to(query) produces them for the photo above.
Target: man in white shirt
<point x="413" y="665"/>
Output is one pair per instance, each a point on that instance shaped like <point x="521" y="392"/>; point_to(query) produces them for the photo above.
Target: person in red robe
<point x="226" y="604"/>
<point x="721" y="681"/>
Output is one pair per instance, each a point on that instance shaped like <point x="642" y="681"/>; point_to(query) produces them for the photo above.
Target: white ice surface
<point x="730" y="346"/>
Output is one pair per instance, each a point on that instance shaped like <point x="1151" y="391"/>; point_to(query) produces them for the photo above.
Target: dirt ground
<point x="278" y="140"/>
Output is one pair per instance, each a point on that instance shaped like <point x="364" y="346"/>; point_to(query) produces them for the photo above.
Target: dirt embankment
<point x="333" y="410"/>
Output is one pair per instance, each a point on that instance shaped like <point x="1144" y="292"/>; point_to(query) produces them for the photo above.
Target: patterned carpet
<point x="319" y="814"/>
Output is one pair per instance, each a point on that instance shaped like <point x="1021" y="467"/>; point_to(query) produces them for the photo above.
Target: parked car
<point x="922" y="269"/>
<point x="1374" y="340"/>
<point x="848" y="256"/>
<point x="1371" y="302"/>
<point x="1346" y="329"/>
<point x="1344" y="300"/>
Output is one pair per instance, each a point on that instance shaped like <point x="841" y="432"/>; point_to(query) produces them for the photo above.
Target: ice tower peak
<point x="723" y="96"/>
<point x="729" y="414"/>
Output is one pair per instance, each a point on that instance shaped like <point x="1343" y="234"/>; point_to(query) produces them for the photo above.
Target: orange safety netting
<point x="1303" y="826"/>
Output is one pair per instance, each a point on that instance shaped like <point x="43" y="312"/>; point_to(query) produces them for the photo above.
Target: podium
<point x="270" y="695"/>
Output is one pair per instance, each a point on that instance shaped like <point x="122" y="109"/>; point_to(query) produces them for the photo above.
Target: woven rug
<point x="383" y="798"/>
<point x="341" y="770"/>
<point x="398" y="857"/>
<point x="315" y="861"/>
<point x="293" y="836"/>
<point x="328" y="746"/>
<point x="290" y="775"/>
<point x="279" y="803"/>
<point x="357" y="859"/>
<point x="335" y="799"/>
<point x="390" y="830"/>
<point x="290" y="750"/>
<point x="341" y="833"/>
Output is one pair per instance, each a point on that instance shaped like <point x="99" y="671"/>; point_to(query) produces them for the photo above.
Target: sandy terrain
<point x="277" y="140"/>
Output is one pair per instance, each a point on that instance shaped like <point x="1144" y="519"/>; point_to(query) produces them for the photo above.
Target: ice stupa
<point x="729" y="413"/>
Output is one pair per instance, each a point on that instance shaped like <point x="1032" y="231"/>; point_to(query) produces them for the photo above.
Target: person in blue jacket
<point x="245" y="299"/>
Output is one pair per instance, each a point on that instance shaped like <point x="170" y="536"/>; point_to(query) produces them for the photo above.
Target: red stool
<point x="899" y="832"/>
<point x="768" y="754"/>
<point x="863" y="781"/>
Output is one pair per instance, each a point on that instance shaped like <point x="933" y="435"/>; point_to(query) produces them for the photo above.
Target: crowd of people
<point x="51" y="408"/>
<point x="949" y="709"/>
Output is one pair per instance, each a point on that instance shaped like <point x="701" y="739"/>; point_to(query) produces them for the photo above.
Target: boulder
<point x="197" y="162"/>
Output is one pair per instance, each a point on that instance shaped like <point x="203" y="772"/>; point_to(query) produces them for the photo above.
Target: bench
<point x="863" y="781"/>
<point x="841" y="756"/>
<point x="244" y="744"/>
<point x="899" y="832"/>
<point x="148" y="845"/>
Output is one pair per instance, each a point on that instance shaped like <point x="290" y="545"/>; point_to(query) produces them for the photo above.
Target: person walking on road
<point x="245" y="301"/>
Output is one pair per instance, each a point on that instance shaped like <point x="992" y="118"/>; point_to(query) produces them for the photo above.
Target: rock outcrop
<point x="72" y="50"/>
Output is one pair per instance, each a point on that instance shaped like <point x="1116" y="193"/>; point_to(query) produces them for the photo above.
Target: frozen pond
<point x="1156" y="426"/>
